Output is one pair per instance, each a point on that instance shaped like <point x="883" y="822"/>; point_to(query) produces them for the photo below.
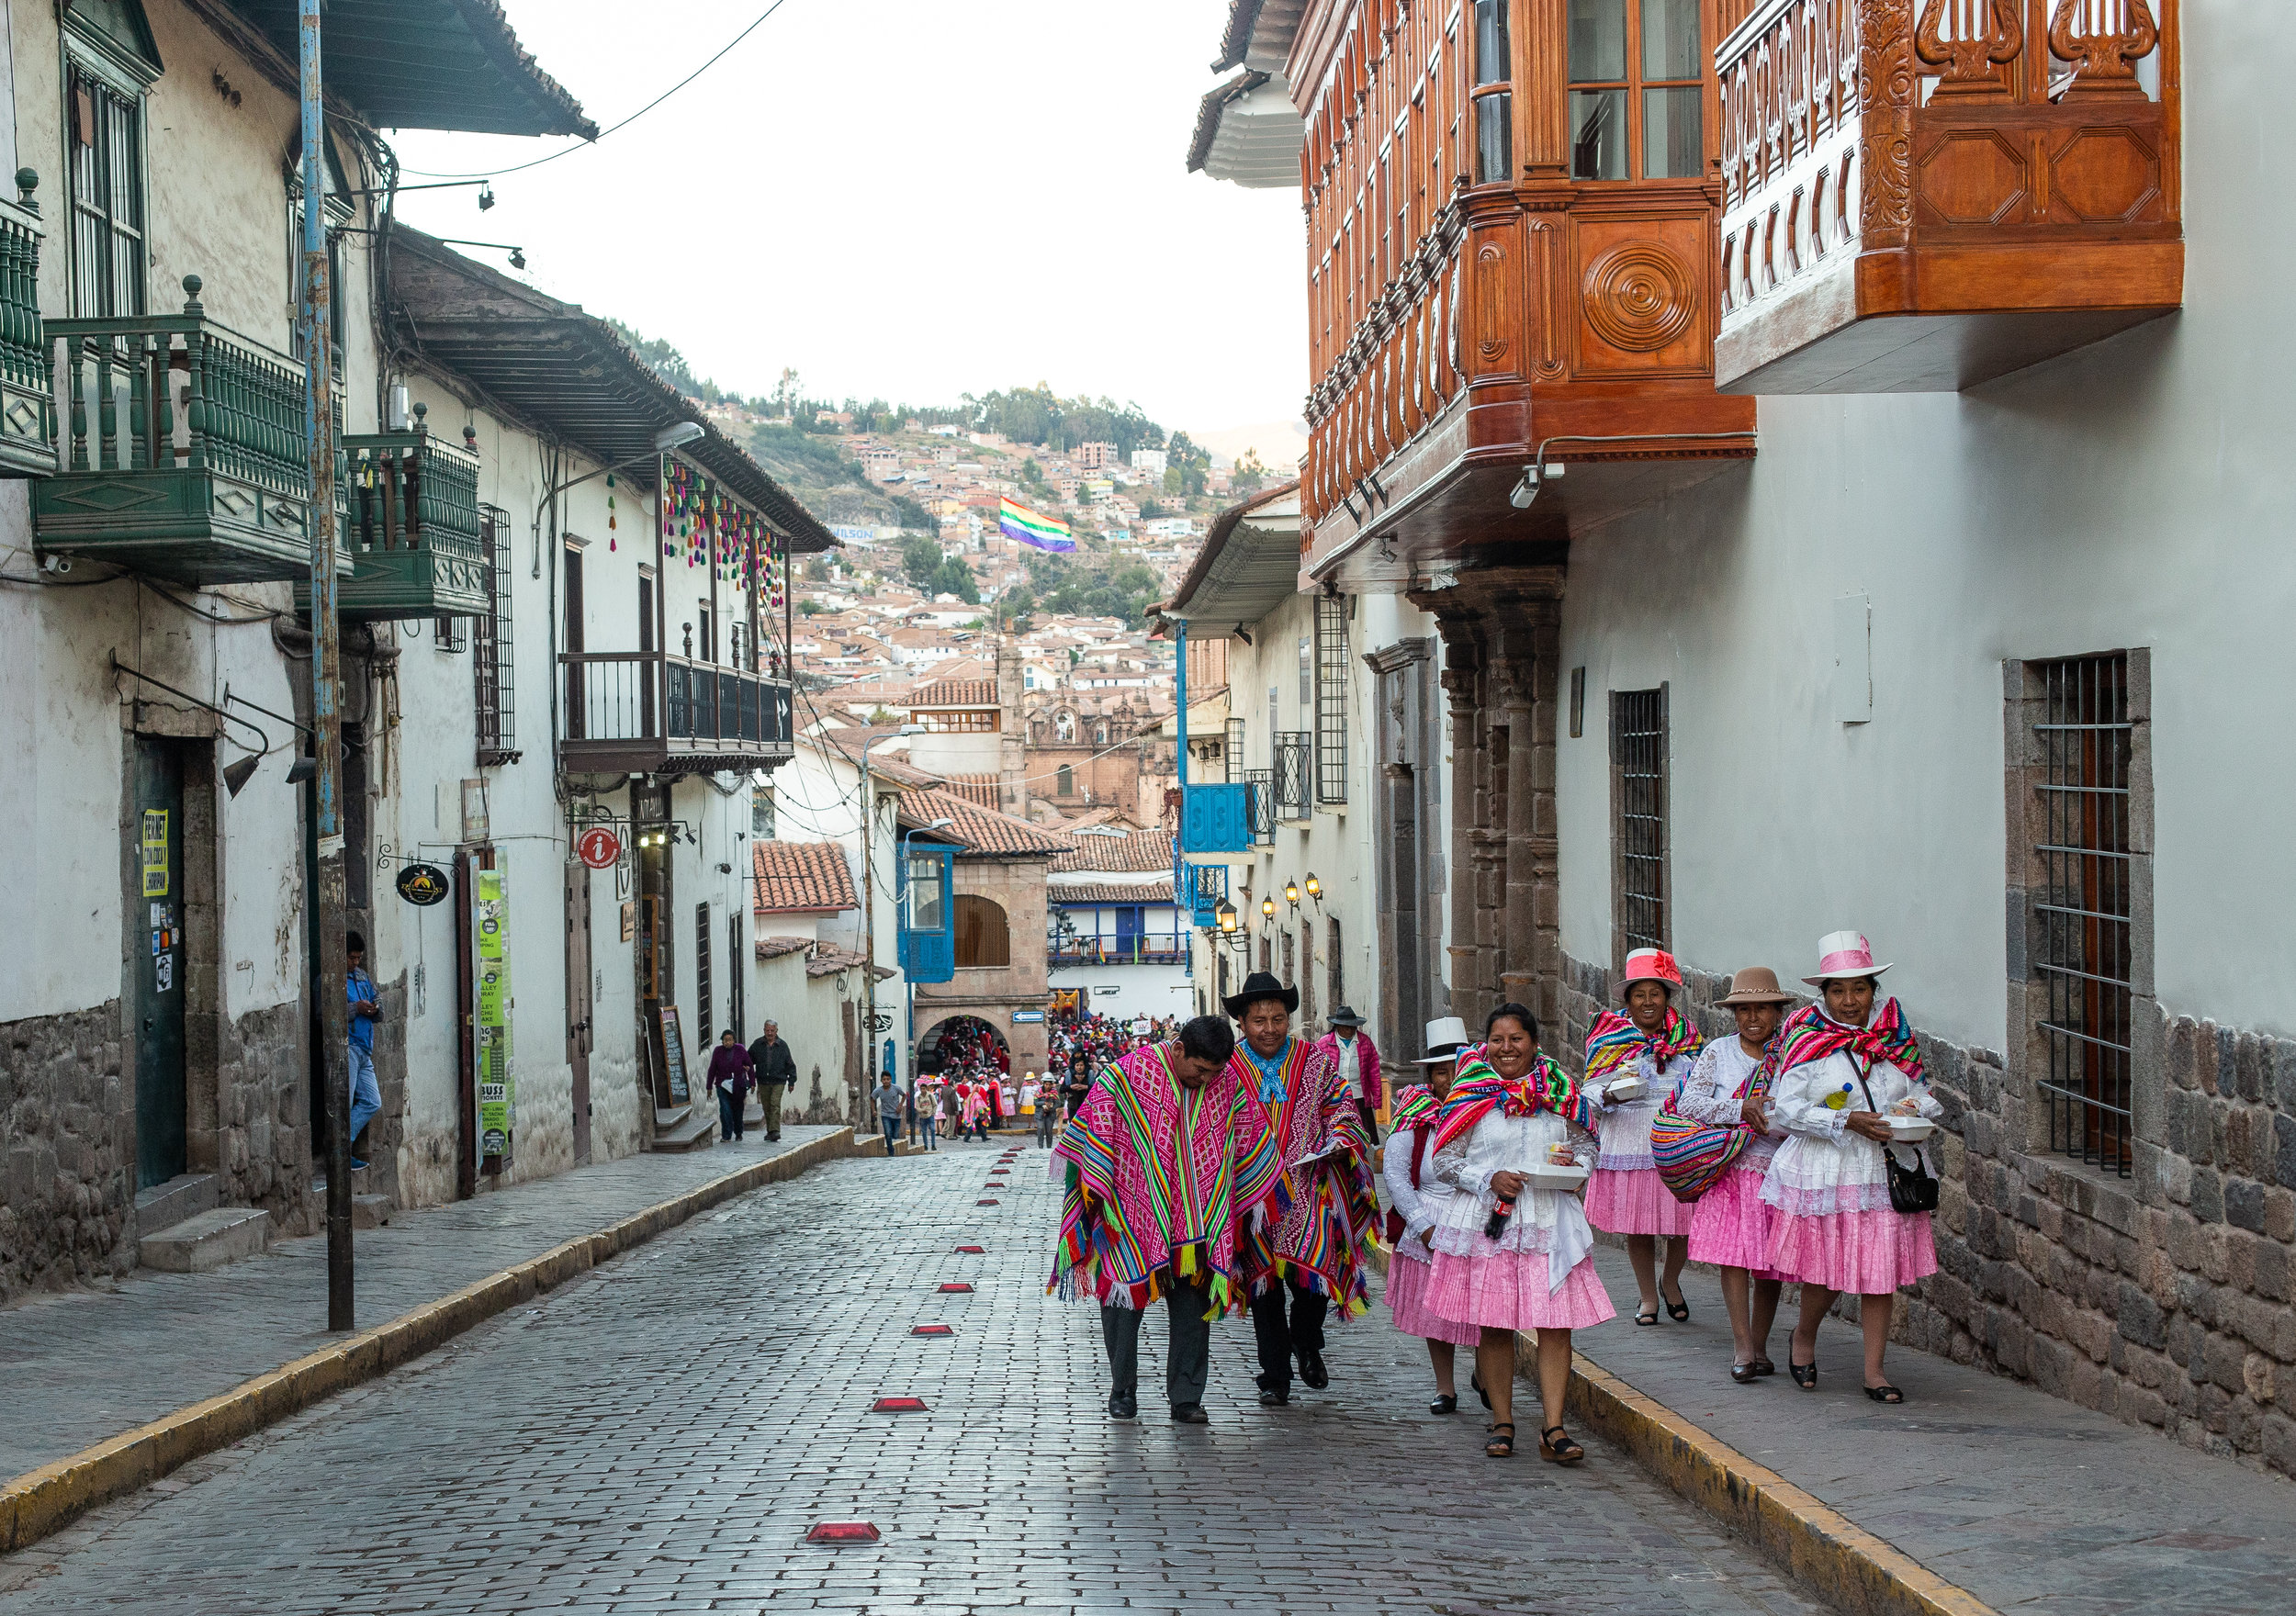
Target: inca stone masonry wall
<point x="67" y="1167"/>
<point x="2163" y="1299"/>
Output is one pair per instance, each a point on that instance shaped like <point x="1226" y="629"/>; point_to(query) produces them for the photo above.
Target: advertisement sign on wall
<point x="497" y="1076"/>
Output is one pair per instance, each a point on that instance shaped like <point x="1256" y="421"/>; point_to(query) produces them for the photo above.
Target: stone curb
<point x="43" y="1501"/>
<point x="1849" y="1568"/>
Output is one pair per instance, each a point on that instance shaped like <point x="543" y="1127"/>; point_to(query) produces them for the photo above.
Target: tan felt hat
<point x="1756" y="984"/>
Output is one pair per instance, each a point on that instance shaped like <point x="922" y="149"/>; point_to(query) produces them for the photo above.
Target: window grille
<point x="490" y="639"/>
<point x="1331" y="698"/>
<point x="705" y="1005"/>
<point x="1232" y="753"/>
<point x="1261" y="785"/>
<point x="450" y="633"/>
<point x="106" y="171"/>
<point x="1637" y="739"/>
<point x="1295" y="756"/>
<point x="2085" y="920"/>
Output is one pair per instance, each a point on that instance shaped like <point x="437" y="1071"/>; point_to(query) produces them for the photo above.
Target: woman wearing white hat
<point x="1852" y="1182"/>
<point x="1416" y="1198"/>
<point x="1636" y="1062"/>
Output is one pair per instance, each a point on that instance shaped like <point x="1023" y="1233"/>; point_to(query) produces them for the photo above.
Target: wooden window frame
<point x="112" y="78"/>
<point x="1634" y="88"/>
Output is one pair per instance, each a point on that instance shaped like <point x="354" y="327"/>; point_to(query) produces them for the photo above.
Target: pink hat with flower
<point x="1650" y="965"/>
<point x="1843" y="955"/>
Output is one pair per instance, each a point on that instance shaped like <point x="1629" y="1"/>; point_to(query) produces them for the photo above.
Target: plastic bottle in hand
<point x="1496" y="1224"/>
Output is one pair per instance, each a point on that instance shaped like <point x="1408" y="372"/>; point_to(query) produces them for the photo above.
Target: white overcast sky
<point x="905" y="198"/>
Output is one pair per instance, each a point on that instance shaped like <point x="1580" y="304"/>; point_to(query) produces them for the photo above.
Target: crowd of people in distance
<point x="1225" y="1172"/>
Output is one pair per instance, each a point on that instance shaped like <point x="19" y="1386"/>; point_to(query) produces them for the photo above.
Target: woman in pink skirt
<point x="1415" y="1199"/>
<point x="1509" y="1254"/>
<point x="1634" y="1063"/>
<point x="1848" y="1077"/>
<point x="1730" y="1224"/>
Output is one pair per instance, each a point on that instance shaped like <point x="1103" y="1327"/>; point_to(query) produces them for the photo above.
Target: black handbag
<point x="1911" y="1189"/>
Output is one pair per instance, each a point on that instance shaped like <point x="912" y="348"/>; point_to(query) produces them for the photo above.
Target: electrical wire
<point x="625" y="123"/>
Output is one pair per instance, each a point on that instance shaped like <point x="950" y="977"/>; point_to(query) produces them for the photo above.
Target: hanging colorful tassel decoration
<point x="611" y="523"/>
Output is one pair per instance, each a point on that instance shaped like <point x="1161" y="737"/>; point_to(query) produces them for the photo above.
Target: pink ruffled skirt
<point x="1634" y="1201"/>
<point x="1408" y="1281"/>
<point x="1732" y="1224"/>
<point x="1507" y="1290"/>
<point x="1865" y="1254"/>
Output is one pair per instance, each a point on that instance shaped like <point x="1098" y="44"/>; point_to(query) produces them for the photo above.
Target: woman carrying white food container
<point x="1852" y="1183"/>
<point x="1415" y="1199"/>
<point x="1636" y="1062"/>
<point x="1512" y="1249"/>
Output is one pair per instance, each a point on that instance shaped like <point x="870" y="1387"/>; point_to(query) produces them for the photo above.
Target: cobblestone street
<point x="661" y="1434"/>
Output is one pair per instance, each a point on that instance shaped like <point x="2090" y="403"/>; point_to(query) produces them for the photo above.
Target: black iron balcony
<point x="649" y="713"/>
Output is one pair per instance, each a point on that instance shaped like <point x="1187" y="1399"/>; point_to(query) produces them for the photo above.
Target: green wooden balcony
<point x="25" y="429"/>
<point x="183" y="455"/>
<point x="410" y="510"/>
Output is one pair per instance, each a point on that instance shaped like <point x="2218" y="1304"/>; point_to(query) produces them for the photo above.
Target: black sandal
<point x="1885" y="1393"/>
<point x="1805" y="1374"/>
<point x="1678" y="1311"/>
<point x="1565" y="1452"/>
<point x="1646" y="1320"/>
<point x="1444" y="1404"/>
<point x="1764" y="1366"/>
<point x="1497" y="1446"/>
<point x="1744" y="1374"/>
<point x="1475" y="1381"/>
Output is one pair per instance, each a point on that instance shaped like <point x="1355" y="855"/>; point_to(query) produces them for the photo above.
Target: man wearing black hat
<point x="1303" y="1252"/>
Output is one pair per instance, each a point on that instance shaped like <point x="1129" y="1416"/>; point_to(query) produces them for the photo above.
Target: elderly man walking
<point x="1356" y="1059"/>
<point x="776" y="1070"/>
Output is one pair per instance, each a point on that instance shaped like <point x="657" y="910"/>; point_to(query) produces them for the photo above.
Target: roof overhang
<point x="1249" y="133"/>
<point x="410" y="64"/>
<point x="1259" y="34"/>
<point x="1249" y="565"/>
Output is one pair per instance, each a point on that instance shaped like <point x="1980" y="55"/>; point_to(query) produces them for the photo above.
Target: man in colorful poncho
<point x="1303" y="1257"/>
<point x="1165" y="1156"/>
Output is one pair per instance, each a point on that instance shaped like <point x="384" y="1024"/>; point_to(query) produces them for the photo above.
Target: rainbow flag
<point x="1018" y="522"/>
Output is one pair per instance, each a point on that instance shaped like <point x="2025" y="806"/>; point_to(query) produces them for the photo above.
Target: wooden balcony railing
<point x="1141" y="950"/>
<point x="646" y="712"/>
<point x="25" y="432"/>
<point x="417" y="545"/>
<point x="1921" y="195"/>
<point x="183" y="453"/>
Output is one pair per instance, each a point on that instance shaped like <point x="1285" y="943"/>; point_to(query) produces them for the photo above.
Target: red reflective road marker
<point x="930" y="1329"/>
<point x="973" y="1251"/>
<point x="843" y="1531"/>
<point x="956" y="1288"/>
<point x="898" y="1406"/>
<point x="985" y="1202"/>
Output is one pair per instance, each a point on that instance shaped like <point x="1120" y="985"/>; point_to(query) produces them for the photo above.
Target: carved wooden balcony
<point x="26" y="434"/>
<point x="184" y="452"/>
<point x="410" y="509"/>
<point x="1559" y="309"/>
<point x="1919" y="195"/>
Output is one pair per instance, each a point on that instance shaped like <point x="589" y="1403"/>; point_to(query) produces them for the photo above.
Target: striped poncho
<point x="1330" y="1207"/>
<point x="1809" y="1034"/>
<point x="1479" y="1090"/>
<point x="1158" y="1177"/>
<point x="1615" y="1043"/>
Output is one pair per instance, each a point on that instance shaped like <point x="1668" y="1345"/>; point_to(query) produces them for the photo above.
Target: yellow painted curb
<point x="44" y="1501"/>
<point x="1855" y="1570"/>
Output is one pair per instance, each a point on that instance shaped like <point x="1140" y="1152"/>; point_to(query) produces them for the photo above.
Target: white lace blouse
<point x="1822" y="1167"/>
<point x="1626" y="1130"/>
<point x="1710" y="1095"/>
<point x="1419" y="1208"/>
<point x="1549" y="1221"/>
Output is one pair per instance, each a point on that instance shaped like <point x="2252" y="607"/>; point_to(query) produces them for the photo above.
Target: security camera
<point x="58" y="565"/>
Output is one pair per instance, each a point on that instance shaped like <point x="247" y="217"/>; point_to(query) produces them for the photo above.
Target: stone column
<point x="1526" y="606"/>
<point x="1512" y="682"/>
<point x="1462" y="687"/>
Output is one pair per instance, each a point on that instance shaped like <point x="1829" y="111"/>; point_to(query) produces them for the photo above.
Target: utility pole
<point x="318" y="423"/>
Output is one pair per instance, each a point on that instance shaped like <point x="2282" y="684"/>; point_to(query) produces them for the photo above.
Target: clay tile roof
<point x="979" y="790"/>
<point x="803" y="878"/>
<point x="1142" y="852"/>
<point x="774" y="947"/>
<point x="828" y="959"/>
<point x="983" y="830"/>
<point x="955" y="692"/>
<point x="1099" y="893"/>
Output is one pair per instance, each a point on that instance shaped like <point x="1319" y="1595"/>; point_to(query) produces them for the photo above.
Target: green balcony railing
<point x="409" y="504"/>
<point x="25" y="408"/>
<point x="183" y="453"/>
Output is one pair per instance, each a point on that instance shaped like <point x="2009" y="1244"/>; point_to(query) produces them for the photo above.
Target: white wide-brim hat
<point x="1843" y="955"/>
<point x="1445" y="1036"/>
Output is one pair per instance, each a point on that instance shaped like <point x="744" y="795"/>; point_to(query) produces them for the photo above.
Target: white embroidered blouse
<point x="1625" y="1130"/>
<point x="1419" y="1208"/>
<point x="1822" y="1167"/>
<point x="1710" y="1095"/>
<point x="1552" y="1221"/>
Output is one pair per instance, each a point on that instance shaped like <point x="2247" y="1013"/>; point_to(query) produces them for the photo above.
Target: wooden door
<point x="580" y="1039"/>
<point x="155" y="896"/>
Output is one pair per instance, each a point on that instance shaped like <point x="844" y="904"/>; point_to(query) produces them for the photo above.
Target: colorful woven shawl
<point x="1478" y="1091"/>
<point x="1810" y="1035"/>
<point x="1415" y="1106"/>
<point x="1616" y="1042"/>
<point x="1158" y="1177"/>
<point x="1329" y="1207"/>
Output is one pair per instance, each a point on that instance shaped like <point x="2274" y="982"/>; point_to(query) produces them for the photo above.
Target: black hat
<point x="1257" y="986"/>
<point x="1344" y="1016"/>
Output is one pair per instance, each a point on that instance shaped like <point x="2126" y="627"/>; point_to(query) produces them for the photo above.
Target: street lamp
<point x="1291" y="893"/>
<point x="1226" y="916"/>
<point x="908" y="986"/>
<point x="1267" y="908"/>
<point x="1315" y="887"/>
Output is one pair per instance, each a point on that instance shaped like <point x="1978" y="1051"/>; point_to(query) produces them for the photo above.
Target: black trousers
<point x="1188" y="1351"/>
<point x="1288" y="1319"/>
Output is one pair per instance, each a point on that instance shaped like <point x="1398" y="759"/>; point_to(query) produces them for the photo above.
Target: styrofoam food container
<point x="1551" y="1177"/>
<point x="1632" y="1086"/>
<point x="1911" y="1129"/>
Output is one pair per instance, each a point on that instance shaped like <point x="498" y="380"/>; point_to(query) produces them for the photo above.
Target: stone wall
<point x="263" y="1136"/>
<point x="67" y="1165"/>
<point x="2163" y="1299"/>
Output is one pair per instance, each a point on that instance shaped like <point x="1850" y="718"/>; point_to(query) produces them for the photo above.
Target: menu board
<point x="674" y="1054"/>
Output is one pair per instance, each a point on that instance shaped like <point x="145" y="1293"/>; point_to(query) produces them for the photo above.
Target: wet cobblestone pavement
<point x="661" y="1434"/>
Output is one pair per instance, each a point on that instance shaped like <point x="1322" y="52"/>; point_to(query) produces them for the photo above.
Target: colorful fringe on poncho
<point x="1330" y="1207"/>
<point x="1159" y="1175"/>
<point x="1478" y="1091"/>
<point x="1615" y="1043"/>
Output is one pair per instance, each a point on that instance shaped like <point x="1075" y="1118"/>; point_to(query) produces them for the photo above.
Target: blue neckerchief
<point x="1271" y="1071"/>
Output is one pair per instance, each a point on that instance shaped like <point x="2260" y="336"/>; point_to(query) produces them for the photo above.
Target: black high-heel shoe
<point x="1475" y="1381"/>
<point x="1444" y="1404"/>
<point x="1805" y="1374"/>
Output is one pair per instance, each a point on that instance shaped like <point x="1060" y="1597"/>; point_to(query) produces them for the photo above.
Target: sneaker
<point x="358" y="1166"/>
<point x="1189" y="1414"/>
<point x="1123" y="1405"/>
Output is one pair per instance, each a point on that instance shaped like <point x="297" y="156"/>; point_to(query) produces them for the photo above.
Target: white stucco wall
<point x="2134" y="494"/>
